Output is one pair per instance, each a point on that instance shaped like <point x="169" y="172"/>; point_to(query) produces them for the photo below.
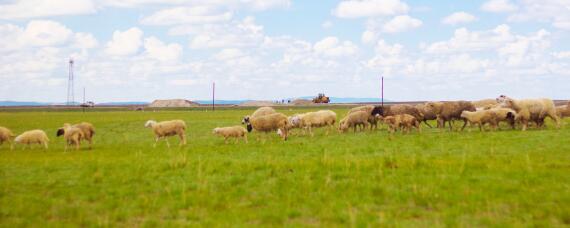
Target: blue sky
<point x="142" y="50"/>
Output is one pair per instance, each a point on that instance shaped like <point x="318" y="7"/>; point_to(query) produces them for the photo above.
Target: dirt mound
<point x="176" y="103"/>
<point x="301" y="102"/>
<point x="257" y="103"/>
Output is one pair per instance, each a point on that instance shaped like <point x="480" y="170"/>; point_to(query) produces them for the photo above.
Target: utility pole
<point x="382" y="91"/>
<point x="70" y="88"/>
<point x="83" y="100"/>
<point x="213" y="95"/>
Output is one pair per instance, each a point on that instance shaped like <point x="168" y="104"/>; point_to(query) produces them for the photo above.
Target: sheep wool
<point x="268" y="123"/>
<point x="481" y="118"/>
<point x="320" y="118"/>
<point x="451" y="110"/>
<point x="165" y="129"/>
<point x="531" y="110"/>
<point x="6" y="136"/>
<point x="33" y="137"/>
<point x="427" y="114"/>
<point x="262" y="111"/>
<point x="231" y="132"/>
<point x="354" y="119"/>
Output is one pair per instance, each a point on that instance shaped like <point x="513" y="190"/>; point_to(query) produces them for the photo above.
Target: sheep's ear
<point x="60" y="132"/>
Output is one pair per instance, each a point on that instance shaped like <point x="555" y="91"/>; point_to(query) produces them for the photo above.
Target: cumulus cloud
<point x="555" y="12"/>
<point x="125" y="43"/>
<point x="23" y="9"/>
<point x="332" y="47"/>
<point x="370" y="8"/>
<point x="156" y="49"/>
<point x="187" y="15"/>
<point x="464" y="40"/>
<point x="498" y="6"/>
<point x="458" y="18"/>
<point x="242" y="33"/>
<point x="401" y="23"/>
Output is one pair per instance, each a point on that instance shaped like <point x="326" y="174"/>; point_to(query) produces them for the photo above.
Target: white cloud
<point x="562" y="54"/>
<point x="369" y="8"/>
<point x="84" y="41"/>
<point x="464" y="40"/>
<point x="125" y="43"/>
<point x="187" y="15"/>
<point x="332" y="47"/>
<point x="229" y="53"/>
<point x="458" y="18"/>
<point x="37" y="33"/>
<point x="498" y="6"/>
<point x="235" y="34"/>
<point x="555" y="12"/>
<point x="401" y="23"/>
<point x="254" y="5"/>
<point x="156" y="49"/>
<point x="23" y="9"/>
<point x="327" y="24"/>
<point x="368" y="37"/>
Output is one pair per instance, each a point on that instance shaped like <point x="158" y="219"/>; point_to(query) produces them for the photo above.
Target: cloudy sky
<point x="140" y="50"/>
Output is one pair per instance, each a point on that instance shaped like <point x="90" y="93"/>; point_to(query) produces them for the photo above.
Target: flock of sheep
<point x="400" y="117"/>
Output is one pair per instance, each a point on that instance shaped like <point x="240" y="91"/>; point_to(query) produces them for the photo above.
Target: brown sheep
<point x="368" y="109"/>
<point x="404" y="122"/>
<point x="451" y="110"/>
<point x="428" y="115"/>
<point x="354" y="119"/>
<point x="531" y="110"/>
<point x="6" y="136"/>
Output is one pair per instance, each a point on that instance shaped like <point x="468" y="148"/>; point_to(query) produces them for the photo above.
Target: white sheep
<point x="32" y="137"/>
<point x="6" y="136"/>
<point x="481" y="118"/>
<point x="320" y="118"/>
<point x="505" y="115"/>
<point x="531" y="109"/>
<point x="231" y="132"/>
<point x="72" y="135"/>
<point x="354" y="119"/>
<point x="262" y="111"/>
<point x="166" y="129"/>
<point x="267" y="123"/>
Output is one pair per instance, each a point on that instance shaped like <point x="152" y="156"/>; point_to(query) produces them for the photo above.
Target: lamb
<point x="405" y="122"/>
<point x="86" y="128"/>
<point x="449" y="111"/>
<point x="166" y="129"/>
<point x="397" y="110"/>
<point x="231" y="132"/>
<point x="371" y="119"/>
<point x="505" y="115"/>
<point x="267" y="123"/>
<point x="33" y="136"/>
<point x="72" y="135"/>
<point x="428" y="114"/>
<point x="320" y="118"/>
<point x="354" y="119"/>
<point x="481" y="118"/>
<point x="260" y="112"/>
<point x="531" y="110"/>
<point x="6" y="136"/>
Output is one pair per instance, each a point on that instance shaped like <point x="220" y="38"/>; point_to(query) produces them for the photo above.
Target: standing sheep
<point x="31" y="137"/>
<point x="398" y="109"/>
<point x="86" y="128"/>
<point x="368" y="109"/>
<point x="505" y="115"/>
<point x="531" y="109"/>
<point x="428" y="114"/>
<point x="166" y="129"/>
<point x="231" y="132"/>
<point x="354" y="119"/>
<point x="563" y="111"/>
<point x="268" y="123"/>
<point x="449" y="111"/>
<point x="259" y="112"/>
<point x="6" y="136"/>
<point x="481" y="118"/>
<point x="320" y="118"/>
<point x="72" y="135"/>
<point x="485" y="103"/>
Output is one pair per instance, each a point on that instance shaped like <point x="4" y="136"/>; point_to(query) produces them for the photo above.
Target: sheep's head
<point x="378" y="110"/>
<point x="150" y="123"/>
<point x="249" y="127"/>
<point x="502" y="98"/>
<point x="464" y="114"/>
<point x="216" y="130"/>
<point x="60" y="132"/>
<point x="245" y="120"/>
<point x="433" y="107"/>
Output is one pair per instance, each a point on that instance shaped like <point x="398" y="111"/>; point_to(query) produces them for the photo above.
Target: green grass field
<point x="504" y="178"/>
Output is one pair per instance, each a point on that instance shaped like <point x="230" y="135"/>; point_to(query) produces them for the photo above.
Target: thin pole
<point x="213" y="95"/>
<point x="382" y="91"/>
<point x="83" y="99"/>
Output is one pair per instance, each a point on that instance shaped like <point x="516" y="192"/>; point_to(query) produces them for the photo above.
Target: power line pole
<point x="382" y="91"/>
<point x="213" y="95"/>
<point x="70" y="86"/>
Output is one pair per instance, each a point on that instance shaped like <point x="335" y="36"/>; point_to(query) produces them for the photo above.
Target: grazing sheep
<point x="405" y="122"/>
<point x="320" y="118"/>
<point x="268" y="123"/>
<point x="295" y="121"/>
<point x="6" y="136"/>
<point x="449" y="111"/>
<point x="231" y="132"/>
<point x="563" y="111"/>
<point x="371" y="119"/>
<point x="481" y="118"/>
<point x="428" y="114"/>
<point x="354" y="119"/>
<point x="397" y="110"/>
<point x="262" y="111"/>
<point x="166" y="129"/>
<point x="531" y="110"/>
<point x="485" y="103"/>
<point x="505" y="115"/>
<point x="72" y="135"/>
<point x="86" y="128"/>
<point x="31" y="137"/>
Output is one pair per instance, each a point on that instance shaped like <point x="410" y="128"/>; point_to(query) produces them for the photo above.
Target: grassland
<point x="504" y="178"/>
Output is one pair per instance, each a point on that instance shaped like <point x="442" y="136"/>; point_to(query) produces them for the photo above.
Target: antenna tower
<point x="70" y="87"/>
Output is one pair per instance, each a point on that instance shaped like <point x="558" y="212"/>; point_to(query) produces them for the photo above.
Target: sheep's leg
<point x="45" y="145"/>
<point x="245" y="138"/>
<point x="425" y="121"/>
<point x="225" y="140"/>
<point x="167" y="143"/>
<point x="182" y="138"/>
<point x="554" y="117"/>
<point x="464" y="124"/>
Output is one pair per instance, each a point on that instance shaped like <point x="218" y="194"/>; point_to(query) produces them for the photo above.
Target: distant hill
<point x="22" y="103"/>
<point x="123" y="103"/>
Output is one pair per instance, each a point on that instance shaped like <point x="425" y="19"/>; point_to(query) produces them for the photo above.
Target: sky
<point x="141" y="50"/>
